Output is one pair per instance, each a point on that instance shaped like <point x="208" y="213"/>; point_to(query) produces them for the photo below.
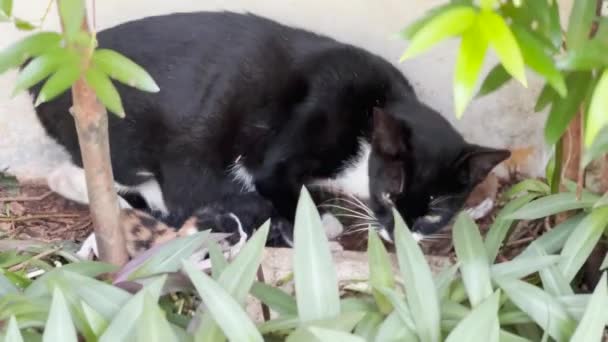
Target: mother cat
<point x="249" y="110"/>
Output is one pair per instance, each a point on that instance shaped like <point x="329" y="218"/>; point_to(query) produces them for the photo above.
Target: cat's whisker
<point x="356" y="217"/>
<point x="361" y="203"/>
<point x="357" y="203"/>
<point x="354" y="212"/>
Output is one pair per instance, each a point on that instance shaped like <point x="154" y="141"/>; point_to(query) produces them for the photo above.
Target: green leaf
<point x="472" y="254"/>
<point x="488" y="4"/>
<point x="122" y="326"/>
<point x="598" y="148"/>
<point x="523" y="267"/>
<point x="553" y="204"/>
<point x="544" y="15"/>
<point x="316" y="283"/>
<point x="604" y="265"/>
<point x="579" y="23"/>
<point x="544" y="309"/>
<point x="591" y="55"/>
<point x="444" y="280"/>
<point x="31" y="46"/>
<point x="152" y="326"/>
<point x="23" y="25"/>
<point x="483" y="320"/>
<point x="536" y="58"/>
<point x="471" y="54"/>
<point x="420" y="289"/>
<point x="58" y="83"/>
<point x="380" y="270"/>
<point x="95" y="321"/>
<point x="236" y="279"/>
<point x="6" y="286"/>
<point x="496" y="31"/>
<point x="124" y="70"/>
<point x="218" y="261"/>
<point x="496" y="78"/>
<point x="226" y="311"/>
<point x="547" y="96"/>
<point x="553" y="241"/>
<point x="591" y="327"/>
<point x="168" y="258"/>
<point x="327" y="335"/>
<point x="506" y="336"/>
<point x="582" y="241"/>
<point x="400" y="307"/>
<point x="394" y="329"/>
<point x="59" y="326"/>
<point x="72" y="13"/>
<point x="6" y="8"/>
<point x="553" y="280"/>
<point x="41" y="67"/>
<point x="275" y="298"/>
<point x="413" y="28"/>
<point x="105" y="91"/>
<point x="369" y="325"/>
<point x="598" y="117"/>
<point x="528" y="186"/>
<point x="12" y="332"/>
<point x="449" y="23"/>
<point x="500" y="227"/>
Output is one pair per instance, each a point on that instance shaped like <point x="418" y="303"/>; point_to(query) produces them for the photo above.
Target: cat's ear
<point x="478" y="161"/>
<point x="388" y="135"/>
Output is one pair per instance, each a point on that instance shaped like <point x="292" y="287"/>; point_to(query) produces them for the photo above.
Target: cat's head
<point x="420" y="165"/>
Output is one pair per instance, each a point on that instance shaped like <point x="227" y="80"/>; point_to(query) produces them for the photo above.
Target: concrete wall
<point x="505" y="119"/>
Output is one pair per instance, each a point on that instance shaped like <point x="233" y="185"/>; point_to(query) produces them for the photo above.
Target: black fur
<point x="292" y="103"/>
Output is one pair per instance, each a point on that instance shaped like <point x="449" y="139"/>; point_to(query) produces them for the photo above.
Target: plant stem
<point x="557" y="168"/>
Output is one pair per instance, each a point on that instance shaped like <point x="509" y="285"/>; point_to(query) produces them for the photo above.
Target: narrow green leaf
<point x="316" y="283"/>
<point x="488" y="4"/>
<point x="369" y="325"/>
<point x="542" y="15"/>
<point x="380" y="270"/>
<point x="13" y="334"/>
<point x="152" y="326"/>
<point x="579" y="23"/>
<point x="59" y="326"/>
<point x="582" y="241"/>
<point x="589" y="56"/>
<point x="394" y="329"/>
<point x="483" y="320"/>
<point x="419" y="287"/>
<point x="547" y="96"/>
<point x="41" y="67"/>
<point x="501" y="226"/>
<point x="598" y="148"/>
<point x="218" y="261"/>
<point x="604" y="265"/>
<point x="413" y="28"/>
<point x="496" y="78"/>
<point x="168" y="259"/>
<point x="72" y="13"/>
<point x="105" y="91"/>
<point x="496" y="31"/>
<point x="598" y="117"/>
<point x="449" y="23"/>
<point x="327" y="335"/>
<point x="58" y="83"/>
<point x="529" y="186"/>
<point x="553" y="241"/>
<point x="536" y="58"/>
<point x="444" y="280"/>
<point x="23" y="25"/>
<point x="523" y="267"/>
<point x="275" y="298"/>
<point x="6" y="8"/>
<point x="31" y="46"/>
<point x="471" y="54"/>
<point x="591" y="327"/>
<point x="472" y="254"/>
<point x="96" y="322"/>
<point x="551" y="205"/>
<point x="124" y="70"/>
<point x="553" y="280"/>
<point x="6" y="286"/>
<point x="400" y="307"/>
<point x="575" y="304"/>
<point x="225" y="310"/>
<point x="122" y="326"/>
<point x="236" y="279"/>
<point x="506" y="336"/>
<point x="545" y="310"/>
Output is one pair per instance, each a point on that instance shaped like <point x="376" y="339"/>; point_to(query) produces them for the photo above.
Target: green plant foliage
<point x="380" y="270"/>
<point x="124" y="70"/>
<point x="496" y="78"/>
<point x="105" y="91"/>
<point x="468" y="65"/>
<point x="6" y="8"/>
<point x="72" y="13"/>
<point x="597" y="118"/>
<point x="32" y="46"/>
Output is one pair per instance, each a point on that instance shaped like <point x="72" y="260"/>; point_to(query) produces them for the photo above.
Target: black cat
<point x="250" y="110"/>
